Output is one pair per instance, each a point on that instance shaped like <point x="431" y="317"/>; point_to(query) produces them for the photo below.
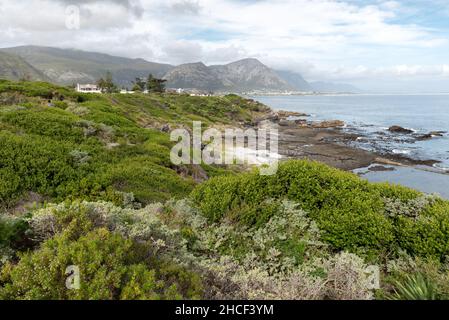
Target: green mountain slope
<point x="66" y="66"/>
<point x="13" y="67"/>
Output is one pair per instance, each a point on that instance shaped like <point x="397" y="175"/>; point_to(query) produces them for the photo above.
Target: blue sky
<point x="379" y="45"/>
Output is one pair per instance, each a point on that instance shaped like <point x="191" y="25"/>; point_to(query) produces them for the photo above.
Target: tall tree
<point x="106" y="84"/>
<point x="139" y="85"/>
<point x="155" y="85"/>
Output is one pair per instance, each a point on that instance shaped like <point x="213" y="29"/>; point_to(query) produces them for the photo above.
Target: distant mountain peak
<point x="248" y="61"/>
<point x="239" y="76"/>
<point x="194" y="64"/>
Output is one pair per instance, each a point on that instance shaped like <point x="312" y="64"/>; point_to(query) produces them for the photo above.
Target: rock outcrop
<point x="328" y="124"/>
<point x="399" y="129"/>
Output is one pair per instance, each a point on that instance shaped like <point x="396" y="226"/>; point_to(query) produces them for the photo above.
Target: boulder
<point x="285" y="123"/>
<point x="399" y="129"/>
<point x="273" y="116"/>
<point x="379" y="168"/>
<point x="431" y="135"/>
<point x="166" y="128"/>
<point x="427" y="136"/>
<point x="301" y="122"/>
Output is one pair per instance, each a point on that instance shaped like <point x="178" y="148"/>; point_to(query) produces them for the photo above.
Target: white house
<point x="88" y="88"/>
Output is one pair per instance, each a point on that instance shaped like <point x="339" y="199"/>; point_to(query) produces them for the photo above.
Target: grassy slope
<point x="93" y="146"/>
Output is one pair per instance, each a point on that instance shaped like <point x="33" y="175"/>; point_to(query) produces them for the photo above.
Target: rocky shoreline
<point x="330" y="143"/>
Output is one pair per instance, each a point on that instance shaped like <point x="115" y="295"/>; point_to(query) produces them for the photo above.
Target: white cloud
<point x="321" y="38"/>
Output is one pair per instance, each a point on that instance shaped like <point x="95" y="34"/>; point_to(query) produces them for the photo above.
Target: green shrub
<point x="352" y="213"/>
<point x="344" y="206"/>
<point x="426" y="234"/>
<point x="13" y="237"/>
<point x="40" y="89"/>
<point x="60" y="104"/>
<point x="110" y="268"/>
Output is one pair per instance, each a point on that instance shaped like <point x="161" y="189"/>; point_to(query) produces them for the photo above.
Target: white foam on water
<point x="401" y="151"/>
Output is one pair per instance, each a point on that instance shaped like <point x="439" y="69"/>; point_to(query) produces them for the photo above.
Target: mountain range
<point x="14" y="67"/>
<point x="69" y="66"/>
<point x="240" y="76"/>
<point x="66" y="66"/>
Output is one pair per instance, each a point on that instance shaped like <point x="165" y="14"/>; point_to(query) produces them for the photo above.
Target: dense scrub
<point x="111" y="267"/>
<point x="371" y="219"/>
<point x="61" y="144"/>
<point x="171" y="251"/>
<point x="308" y="232"/>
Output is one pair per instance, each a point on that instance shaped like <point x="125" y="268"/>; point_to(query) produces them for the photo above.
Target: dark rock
<point x="430" y="135"/>
<point x="165" y="128"/>
<point x="423" y="137"/>
<point x="380" y="168"/>
<point x="301" y="122"/>
<point x="399" y="129"/>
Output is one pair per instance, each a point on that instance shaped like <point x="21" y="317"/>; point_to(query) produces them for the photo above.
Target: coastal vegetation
<point x="86" y="180"/>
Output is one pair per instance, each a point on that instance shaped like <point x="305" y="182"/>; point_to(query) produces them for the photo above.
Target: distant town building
<point x="126" y="91"/>
<point x="88" y="88"/>
<point x="190" y="91"/>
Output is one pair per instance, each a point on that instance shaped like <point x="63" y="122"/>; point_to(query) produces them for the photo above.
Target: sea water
<point x="370" y="116"/>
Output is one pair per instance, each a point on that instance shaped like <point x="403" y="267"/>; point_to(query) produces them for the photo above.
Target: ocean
<point x="370" y="116"/>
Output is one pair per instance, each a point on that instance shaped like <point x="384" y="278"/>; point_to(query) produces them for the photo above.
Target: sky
<point x="377" y="45"/>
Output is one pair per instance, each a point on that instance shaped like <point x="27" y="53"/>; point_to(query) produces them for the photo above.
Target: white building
<point x="88" y="88"/>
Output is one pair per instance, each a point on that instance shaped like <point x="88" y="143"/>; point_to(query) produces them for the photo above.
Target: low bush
<point x="353" y="214"/>
<point x="232" y="261"/>
<point x="111" y="267"/>
<point x="13" y="237"/>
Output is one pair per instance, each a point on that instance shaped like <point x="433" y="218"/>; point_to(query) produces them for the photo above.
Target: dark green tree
<point x="139" y="85"/>
<point x="106" y="84"/>
<point x="155" y="85"/>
